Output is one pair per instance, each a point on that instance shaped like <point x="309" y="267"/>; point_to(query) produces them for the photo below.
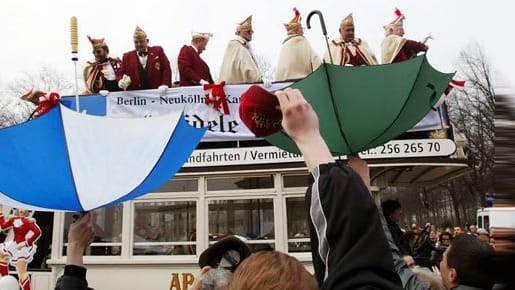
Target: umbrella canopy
<point x="65" y="160"/>
<point x="364" y="107"/>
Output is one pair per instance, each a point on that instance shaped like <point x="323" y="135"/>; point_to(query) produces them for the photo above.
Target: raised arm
<point x="349" y="247"/>
<point x="301" y="123"/>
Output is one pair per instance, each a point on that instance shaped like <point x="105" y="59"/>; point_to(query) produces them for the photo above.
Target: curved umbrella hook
<point x="324" y="30"/>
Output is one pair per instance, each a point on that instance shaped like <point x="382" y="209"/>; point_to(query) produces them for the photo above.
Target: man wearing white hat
<point x="349" y="50"/>
<point x="145" y="67"/>
<point x="297" y="59"/>
<point x="239" y="65"/>
<point x="193" y="70"/>
<point x="396" y="48"/>
<point x="100" y="74"/>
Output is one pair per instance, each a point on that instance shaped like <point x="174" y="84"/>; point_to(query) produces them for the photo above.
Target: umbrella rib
<point x="335" y="110"/>
<point x="399" y="113"/>
<point x="69" y="161"/>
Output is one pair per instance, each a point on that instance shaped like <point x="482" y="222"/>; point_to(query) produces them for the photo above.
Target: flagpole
<point x="324" y="30"/>
<point x="75" y="44"/>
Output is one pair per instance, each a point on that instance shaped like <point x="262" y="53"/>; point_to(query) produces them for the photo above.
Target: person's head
<point x="482" y="234"/>
<point x="457" y="231"/>
<point x="22" y="212"/>
<point x="227" y="253"/>
<point x="295" y="25"/>
<point x="216" y="279"/>
<point x="396" y="27"/>
<point x="397" y="30"/>
<point x="140" y="40"/>
<point x="200" y="40"/>
<point x="392" y="210"/>
<point x="267" y="270"/>
<point x="432" y="236"/>
<point x="468" y="261"/>
<point x="244" y="29"/>
<point x="347" y="28"/>
<point x="473" y="229"/>
<point x="100" y="49"/>
<point x="445" y="238"/>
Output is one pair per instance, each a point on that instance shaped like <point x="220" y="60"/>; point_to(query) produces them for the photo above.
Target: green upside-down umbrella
<point x="364" y="107"/>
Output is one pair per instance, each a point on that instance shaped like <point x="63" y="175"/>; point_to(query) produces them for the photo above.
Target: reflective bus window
<point x="252" y="219"/>
<point x="297" y="225"/>
<point x="164" y="228"/>
<point x="233" y="183"/>
<point x="180" y="185"/>
<point x="296" y="180"/>
<point x="107" y="223"/>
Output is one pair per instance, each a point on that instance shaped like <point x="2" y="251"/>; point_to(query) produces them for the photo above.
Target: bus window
<point x="486" y="222"/>
<point x="164" y="228"/>
<point x="480" y="222"/>
<point x="107" y="223"/>
<point x="298" y="228"/>
<point x="249" y="218"/>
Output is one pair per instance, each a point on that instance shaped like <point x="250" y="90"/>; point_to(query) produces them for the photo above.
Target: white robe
<point x="297" y="59"/>
<point x="238" y="65"/>
<point x="391" y="46"/>
<point x="335" y="47"/>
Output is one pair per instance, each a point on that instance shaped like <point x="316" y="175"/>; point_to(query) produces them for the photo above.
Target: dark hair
<point x="473" y="260"/>
<point x="390" y="206"/>
<point x="445" y="234"/>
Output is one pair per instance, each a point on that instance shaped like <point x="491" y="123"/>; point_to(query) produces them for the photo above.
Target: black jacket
<point x="348" y="244"/>
<point x="74" y="278"/>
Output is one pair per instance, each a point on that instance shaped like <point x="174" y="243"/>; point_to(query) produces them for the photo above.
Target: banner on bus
<point x="221" y="127"/>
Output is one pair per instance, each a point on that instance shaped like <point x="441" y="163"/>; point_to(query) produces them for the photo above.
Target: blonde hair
<point x="272" y="270"/>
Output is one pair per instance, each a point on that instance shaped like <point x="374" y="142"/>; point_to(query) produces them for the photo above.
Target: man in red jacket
<point x="193" y="70"/>
<point x="145" y="67"/>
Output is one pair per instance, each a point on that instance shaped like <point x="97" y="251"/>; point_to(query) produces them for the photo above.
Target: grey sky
<point x="37" y="32"/>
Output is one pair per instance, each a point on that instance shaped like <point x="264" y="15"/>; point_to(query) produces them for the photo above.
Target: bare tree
<point x="45" y="79"/>
<point x="265" y="66"/>
<point x="472" y="112"/>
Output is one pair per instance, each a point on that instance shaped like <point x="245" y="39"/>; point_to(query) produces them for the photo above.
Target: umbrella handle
<point x="324" y="30"/>
<point x="320" y="16"/>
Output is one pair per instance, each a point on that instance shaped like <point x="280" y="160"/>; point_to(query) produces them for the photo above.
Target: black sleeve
<point x="348" y="244"/>
<point x="74" y="278"/>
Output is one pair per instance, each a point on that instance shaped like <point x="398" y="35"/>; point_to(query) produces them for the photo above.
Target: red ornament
<point x="215" y="97"/>
<point x="260" y="111"/>
<point x="46" y="103"/>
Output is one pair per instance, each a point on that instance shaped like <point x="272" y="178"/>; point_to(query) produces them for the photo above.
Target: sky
<point x="37" y="33"/>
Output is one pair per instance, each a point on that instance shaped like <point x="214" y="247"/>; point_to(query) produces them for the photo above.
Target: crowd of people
<point x="424" y="245"/>
<point x="351" y="241"/>
<point x="148" y="67"/>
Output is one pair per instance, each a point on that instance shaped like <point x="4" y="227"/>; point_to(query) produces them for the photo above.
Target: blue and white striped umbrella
<point x="65" y="160"/>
